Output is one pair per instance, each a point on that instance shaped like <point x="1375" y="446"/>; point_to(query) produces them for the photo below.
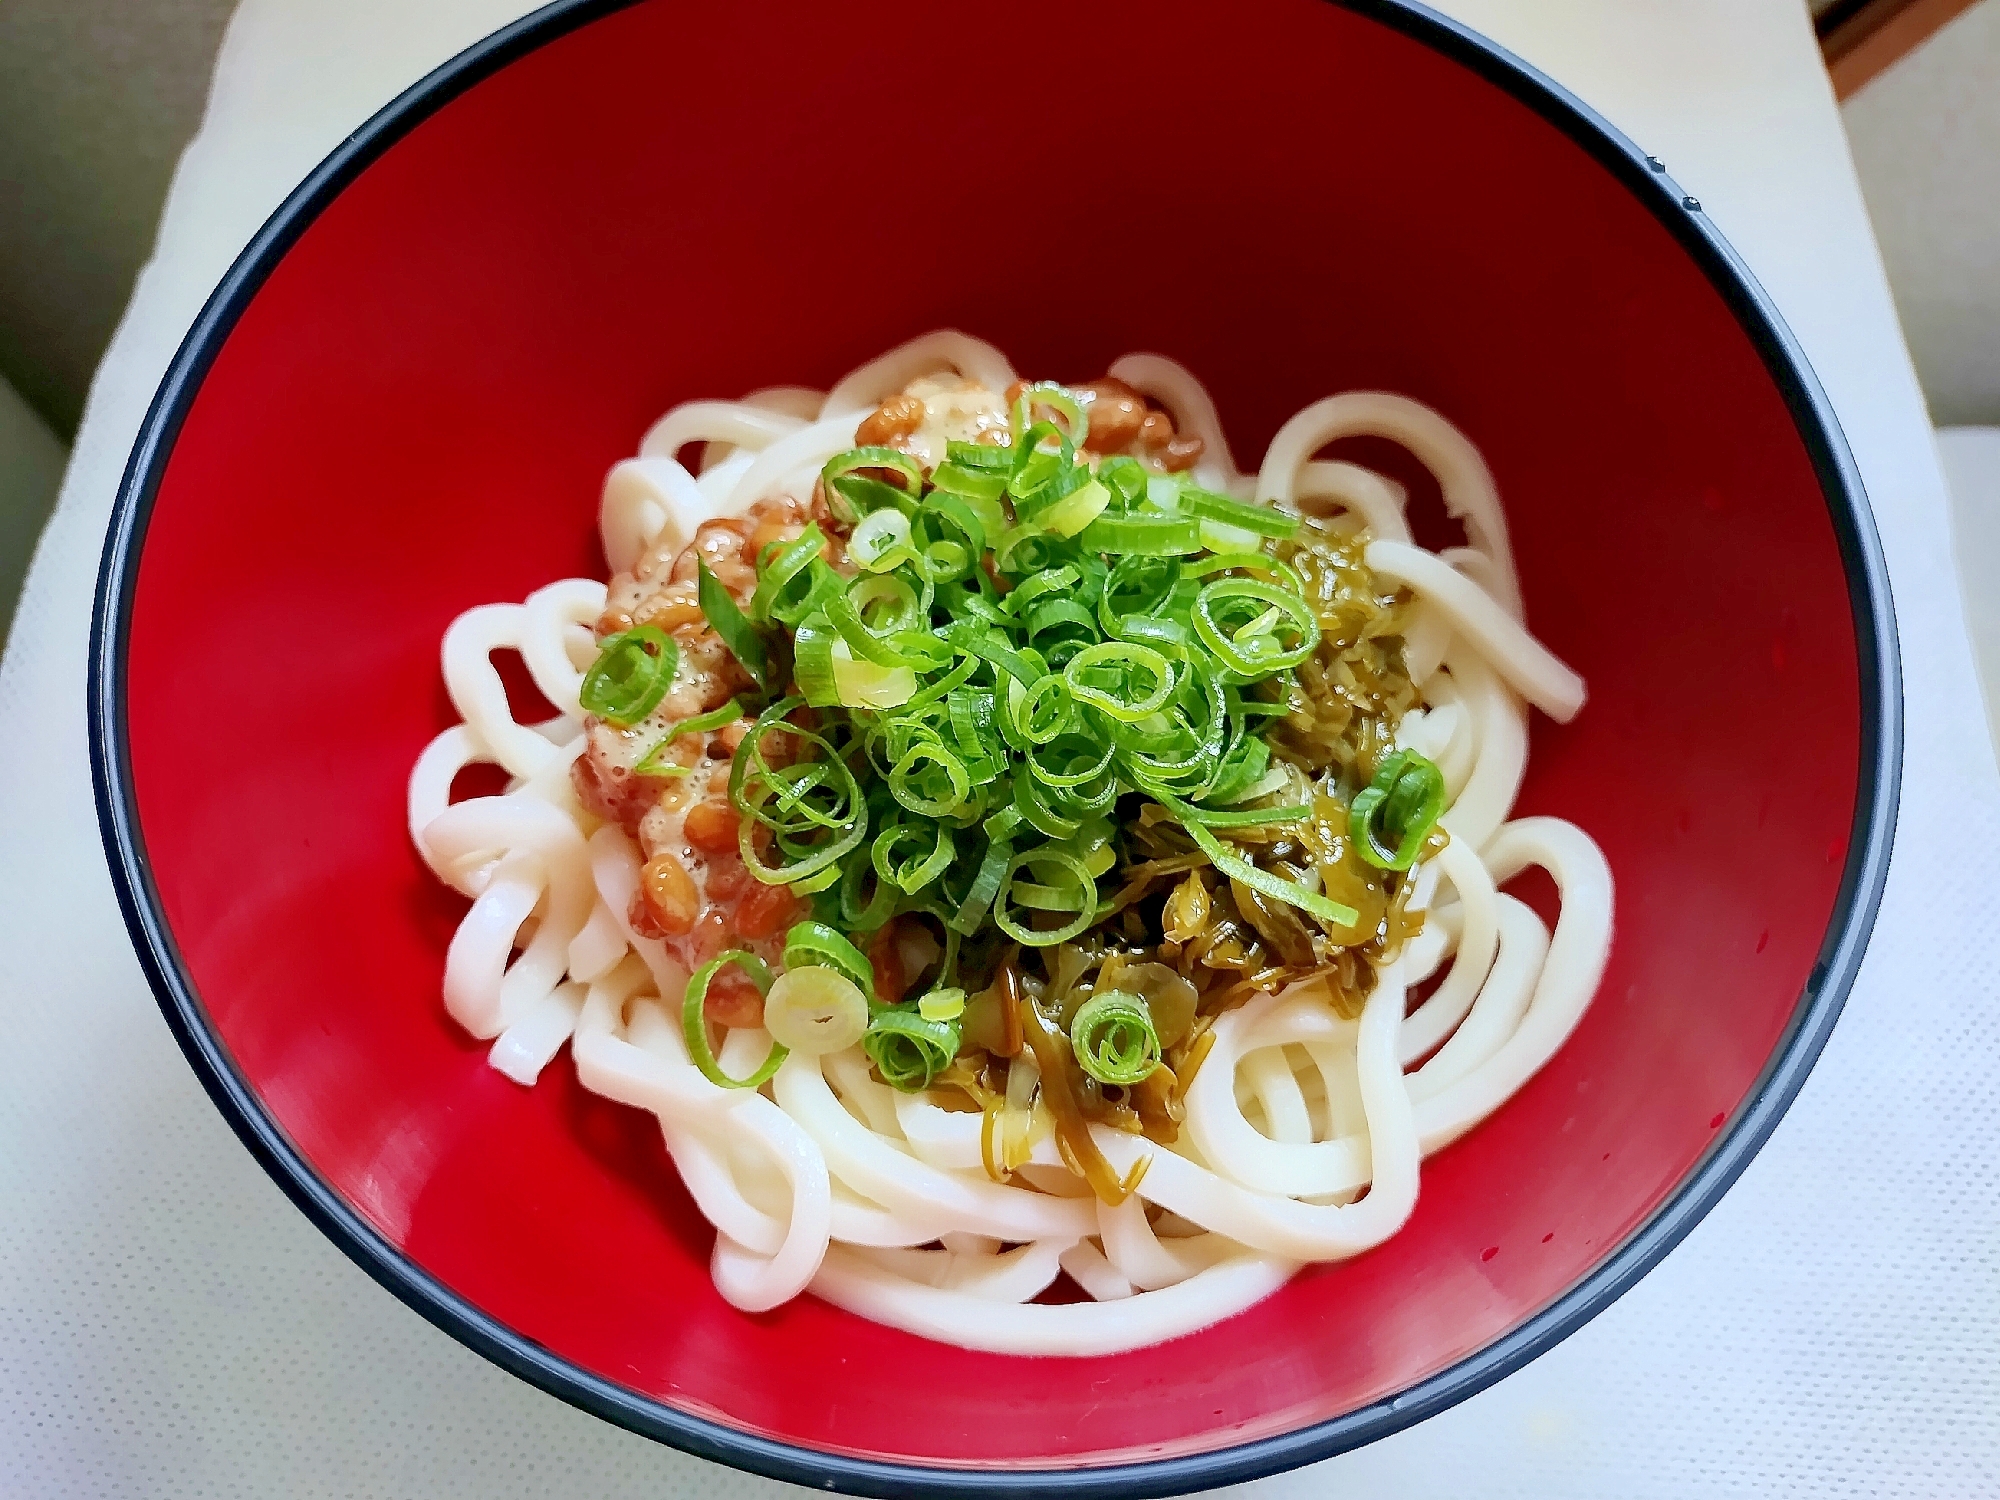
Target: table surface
<point x="170" y="1326"/>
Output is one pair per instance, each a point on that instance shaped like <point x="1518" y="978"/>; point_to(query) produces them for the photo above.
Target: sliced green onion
<point x="814" y="883"/>
<point x="781" y="567"/>
<point x="1253" y="818"/>
<point x="1097" y="673"/>
<point x="985" y="886"/>
<point x="867" y="684"/>
<point x="929" y="779"/>
<point x="949" y="536"/>
<point x="803" y="592"/>
<point x="1136" y="588"/>
<point x="890" y="642"/>
<point x="1243" y="773"/>
<point x="1114" y="1039"/>
<point x="1031" y="504"/>
<point x="975" y="484"/>
<point x="812" y="806"/>
<point x="927" y="859"/>
<point x="1036" y="465"/>
<point x="1032" y="801"/>
<point x="997" y="457"/>
<point x="694" y="1021"/>
<point x="1404" y="801"/>
<point x="810" y="943"/>
<point x="631" y="675"/>
<point x="650" y="764"/>
<point x="1239" y="619"/>
<point x="908" y="1049"/>
<point x="1056" y="580"/>
<point x="942" y="1005"/>
<point x="1040" y="713"/>
<point x="1237" y="868"/>
<point x="813" y="640"/>
<point x="1076" y="510"/>
<point x="1046" y="393"/>
<point x="1153" y="536"/>
<point x="1220" y="536"/>
<point x="1261" y="520"/>
<point x="727" y="620"/>
<point x="1051" y="864"/>
<point x="1256" y="562"/>
<point x="879" y="539"/>
<point x="860" y="915"/>
<point x="815" y="1010"/>
<point x="1125" y="478"/>
<point x="1081" y="759"/>
<point x="851" y="494"/>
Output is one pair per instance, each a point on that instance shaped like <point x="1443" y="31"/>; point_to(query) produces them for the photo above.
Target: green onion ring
<point x="1117" y="654"/>
<point x="1405" y="797"/>
<point x="920" y="868"/>
<point x="694" y="1023"/>
<point x="631" y="675"/>
<point x="1113" y="1037"/>
<point x="1083" y="892"/>
<point x="812" y="942"/>
<point x="908" y="1049"/>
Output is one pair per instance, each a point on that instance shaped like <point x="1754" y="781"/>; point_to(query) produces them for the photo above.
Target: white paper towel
<point x="170" y="1326"/>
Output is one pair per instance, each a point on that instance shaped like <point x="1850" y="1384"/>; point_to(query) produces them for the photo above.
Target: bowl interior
<point x="414" y="413"/>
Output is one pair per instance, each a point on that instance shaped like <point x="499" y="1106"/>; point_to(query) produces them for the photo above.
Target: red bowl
<point x="402" y="400"/>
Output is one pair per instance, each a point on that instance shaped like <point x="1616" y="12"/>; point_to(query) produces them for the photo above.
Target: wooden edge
<point x="1880" y="33"/>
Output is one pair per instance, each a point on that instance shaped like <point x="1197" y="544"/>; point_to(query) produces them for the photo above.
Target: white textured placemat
<point x="1972" y="469"/>
<point x="170" y="1326"/>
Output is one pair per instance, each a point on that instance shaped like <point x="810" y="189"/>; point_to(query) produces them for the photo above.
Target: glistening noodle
<point x="999" y="839"/>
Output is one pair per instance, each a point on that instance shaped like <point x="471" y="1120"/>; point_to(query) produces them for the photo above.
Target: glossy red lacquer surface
<point x="414" y="414"/>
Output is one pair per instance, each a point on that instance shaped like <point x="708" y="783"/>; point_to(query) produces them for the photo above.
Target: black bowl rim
<point x="1750" y="1126"/>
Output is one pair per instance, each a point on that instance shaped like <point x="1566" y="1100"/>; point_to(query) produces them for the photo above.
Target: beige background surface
<point x="97" y="97"/>
<point x="1926" y="138"/>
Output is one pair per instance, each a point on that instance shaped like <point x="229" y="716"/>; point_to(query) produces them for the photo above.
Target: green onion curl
<point x="1114" y="1040"/>
<point x="909" y="1049"/>
<point x="694" y="1021"/>
<point x="631" y="675"/>
<point x="816" y="943"/>
<point x="1403" y="801"/>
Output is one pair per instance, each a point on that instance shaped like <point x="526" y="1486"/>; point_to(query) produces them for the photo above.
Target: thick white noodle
<point x="1187" y="401"/>
<point x="1476" y="941"/>
<point x="1375" y="501"/>
<point x="476" y="691"/>
<point x="798" y="401"/>
<point x="1502" y="755"/>
<point x="545" y="856"/>
<point x="1498" y="1004"/>
<point x="798" y="455"/>
<point x="1469" y="492"/>
<point x="739" y="423"/>
<point x="1304" y="1129"/>
<point x="646" y="499"/>
<point x="556" y="642"/>
<point x="861" y="390"/>
<point x="1530" y="668"/>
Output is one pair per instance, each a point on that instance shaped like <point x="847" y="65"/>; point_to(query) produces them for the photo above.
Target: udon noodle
<point x="1296" y="1133"/>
